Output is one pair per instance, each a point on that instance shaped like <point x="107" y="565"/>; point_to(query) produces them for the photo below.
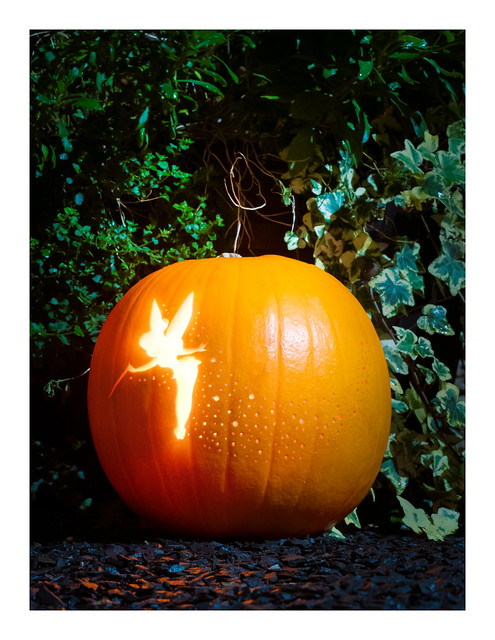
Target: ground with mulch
<point x="366" y="570"/>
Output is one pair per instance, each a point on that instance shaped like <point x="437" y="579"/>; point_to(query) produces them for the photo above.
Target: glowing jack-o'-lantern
<point x="240" y="397"/>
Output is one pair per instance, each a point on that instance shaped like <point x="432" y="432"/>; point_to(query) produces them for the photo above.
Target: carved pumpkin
<point x="240" y="397"/>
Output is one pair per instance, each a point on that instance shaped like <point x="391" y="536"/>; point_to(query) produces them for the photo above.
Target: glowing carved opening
<point x="165" y="346"/>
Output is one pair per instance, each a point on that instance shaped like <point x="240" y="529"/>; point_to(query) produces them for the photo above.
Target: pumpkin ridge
<point x="205" y="286"/>
<point x="310" y="325"/>
<point x="231" y="352"/>
<point x="184" y="274"/>
<point x="145" y="294"/>
<point x="114" y="423"/>
<point x="278" y="366"/>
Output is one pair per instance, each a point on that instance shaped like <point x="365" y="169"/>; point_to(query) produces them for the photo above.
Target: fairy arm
<point x="186" y="352"/>
<point x="130" y="369"/>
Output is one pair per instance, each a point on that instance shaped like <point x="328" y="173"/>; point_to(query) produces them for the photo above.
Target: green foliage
<point x="110" y="201"/>
<point x="88" y="268"/>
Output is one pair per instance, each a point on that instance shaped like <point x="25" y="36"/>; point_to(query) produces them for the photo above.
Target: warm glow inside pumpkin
<point x="240" y="397"/>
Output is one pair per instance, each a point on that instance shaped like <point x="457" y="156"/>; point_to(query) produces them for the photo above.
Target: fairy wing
<point x="157" y="323"/>
<point x="180" y="321"/>
<point x="151" y="340"/>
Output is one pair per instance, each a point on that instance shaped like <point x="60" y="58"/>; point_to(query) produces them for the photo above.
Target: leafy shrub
<point x="109" y="200"/>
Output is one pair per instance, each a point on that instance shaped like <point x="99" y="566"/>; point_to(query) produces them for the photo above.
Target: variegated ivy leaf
<point x="449" y="266"/>
<point x="448" y="400"/>
<point x="441" y="370"/>
<point x="399" y="406"/>
<point x="295" y="240"/>
<point x="451" y="166"/>
<point x="353" y="518"/>
<point x="434" y="320"/>
<point x="316" y="187"/>
<point x="423" y="348"/>
<point x="428" y="374"/>
<point x="328" y="246"/>
<point x="329" y="203"/>
<point x="446" y="521"/>
<point x="436" y="460"/>
<point x="406" y="263"/>
<point x="394" y="291"/>
<point x="395" y="360"/>
<point x="434" y="185"/>
<point x="428" y="148"/>
<point x="396" y="386"/>
<point x="440" y="525"/>
<point x="410" y="157"/>
<point x="407" y="340"/>
<point x="411" y="345"/>
<point x="399" y="482"/>
<point x="415" y="197"/>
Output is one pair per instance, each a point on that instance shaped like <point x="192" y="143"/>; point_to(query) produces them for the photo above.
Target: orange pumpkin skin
<point x="290" y="410"/>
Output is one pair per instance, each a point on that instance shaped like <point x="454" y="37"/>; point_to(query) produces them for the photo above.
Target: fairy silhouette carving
<point x="164" y="343"/>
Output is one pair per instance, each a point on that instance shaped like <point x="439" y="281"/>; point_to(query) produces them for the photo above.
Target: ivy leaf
<point x="437" y="461"/>
<point x="353" y="518"/>
<point x="395" y="386"/>
<point x="393" y="357"/>
<point x="407" y="340"/>
<point x="399" y="406"/>
<point x="440" y="525"/>
<point x="415" y="197"/>
<point x="388" y="470"/>
<point x="446" y="521"/>
<point x="441" y="370"/>
<point x="428" y="147"/>
<point x="316" y="187"/>
<point x="428" y="374"/>
<point x="434" y="185"/>
<point x="393" y="290"/>
<point x="423" y="348"/>
<point x="329" y="203"/>
<point x="449" y="266"/>
<point x="457" y="137"/>
<point x="410" y="157"/>
<point x="294" y="241"/>
<point x="434" y="320"/>
<point x="406" y="263"/>
<point x="451" y="167"/>
<point x="415" y="519"/>
<point x="455" y="409"/>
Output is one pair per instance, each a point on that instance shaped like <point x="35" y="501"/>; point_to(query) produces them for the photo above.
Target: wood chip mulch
<point x="365" y="570"/>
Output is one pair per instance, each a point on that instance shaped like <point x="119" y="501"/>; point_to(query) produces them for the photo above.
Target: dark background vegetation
<point x="344" y="148"/>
